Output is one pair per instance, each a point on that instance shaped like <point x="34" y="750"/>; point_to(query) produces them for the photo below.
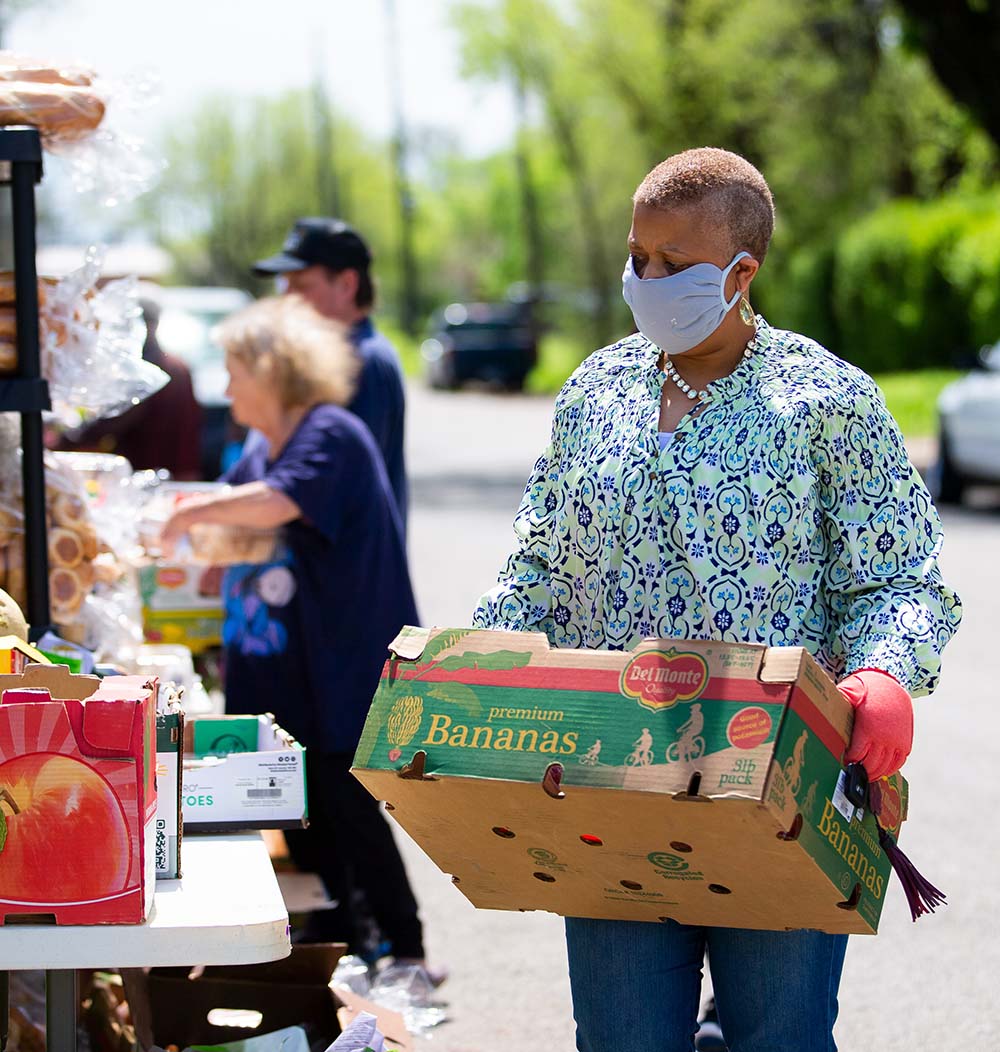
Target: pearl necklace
<point x="692" y="393"/>
<point x="685" y="387"/>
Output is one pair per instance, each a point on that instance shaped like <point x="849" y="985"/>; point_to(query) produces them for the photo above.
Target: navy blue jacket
<point x="380" y="401"/>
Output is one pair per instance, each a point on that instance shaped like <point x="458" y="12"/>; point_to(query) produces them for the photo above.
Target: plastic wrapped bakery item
<point x="14" y="66"/>
<point x="8" y="322"/>
<point x="62" y="102"/>
<point x="209" y="544"/>
<point x="91" y="346"/>
<point x="8" y="289"/>
<point x="67" y="104"/>
<point x="214" y="545"/>
<point x="12" y="577"/>
<point x="8" y="339"/>
<point x="110" y="625"/>
<point x="72" y="537"/>
<point x="114" y="499"/>
<point x="61" y="112"/>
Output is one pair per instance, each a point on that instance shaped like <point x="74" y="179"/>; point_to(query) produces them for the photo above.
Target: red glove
<point x="883" y="721"/>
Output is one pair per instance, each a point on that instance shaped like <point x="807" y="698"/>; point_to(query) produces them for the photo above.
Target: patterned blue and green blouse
<point x="786" y="512"/>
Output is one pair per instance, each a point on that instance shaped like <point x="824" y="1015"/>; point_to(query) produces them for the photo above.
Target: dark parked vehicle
<point x="494" y="342"/>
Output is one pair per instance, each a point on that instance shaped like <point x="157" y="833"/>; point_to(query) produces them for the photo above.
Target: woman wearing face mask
<point x="714" y="478"/>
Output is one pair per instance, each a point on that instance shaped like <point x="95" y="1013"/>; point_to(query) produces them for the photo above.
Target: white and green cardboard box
<point x="694" y="781"/>
<point x="242" y="772"/>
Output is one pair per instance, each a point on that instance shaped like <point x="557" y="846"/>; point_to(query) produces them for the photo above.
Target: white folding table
<point x="226" y="909"/>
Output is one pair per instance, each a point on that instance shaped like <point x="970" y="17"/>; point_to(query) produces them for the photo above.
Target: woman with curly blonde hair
<point x="306" y="635"/>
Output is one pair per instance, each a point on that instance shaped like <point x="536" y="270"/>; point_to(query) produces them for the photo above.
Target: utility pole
<point x="327" y="179"/>
<point x="409" y="292"/>
<point x="534" y="251"/>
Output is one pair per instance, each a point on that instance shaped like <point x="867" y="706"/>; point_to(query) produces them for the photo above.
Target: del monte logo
<point x="659" y="679"/>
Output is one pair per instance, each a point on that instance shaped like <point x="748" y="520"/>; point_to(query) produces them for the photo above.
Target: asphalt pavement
<point x="920" y="987"/>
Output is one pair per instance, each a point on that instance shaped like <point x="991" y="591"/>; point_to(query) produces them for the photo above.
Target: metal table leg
<point x="60" y="1010"/>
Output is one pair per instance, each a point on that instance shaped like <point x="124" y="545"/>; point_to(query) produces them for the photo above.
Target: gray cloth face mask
<point x="679" y="311"/>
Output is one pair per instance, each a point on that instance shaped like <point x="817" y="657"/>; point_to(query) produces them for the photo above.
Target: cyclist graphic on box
<point x="690" y="744"/>
<point x="590" y="757"/>
<point x="642" y="750"/>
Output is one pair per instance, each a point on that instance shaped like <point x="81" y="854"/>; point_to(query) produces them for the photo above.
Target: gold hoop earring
<point x="747" y="315"/>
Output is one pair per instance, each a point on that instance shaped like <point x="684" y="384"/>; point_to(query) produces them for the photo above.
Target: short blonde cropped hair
<point x="724" y="186"/>
<point x="288" y="344"/>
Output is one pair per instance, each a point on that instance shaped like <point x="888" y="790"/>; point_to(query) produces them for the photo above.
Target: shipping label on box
<point x="182" y="604"/>
<point x="169" y="828"/>
<point x="77" y="797"/>
<point x="260" y="789"/>
<point x="685" y="779"/>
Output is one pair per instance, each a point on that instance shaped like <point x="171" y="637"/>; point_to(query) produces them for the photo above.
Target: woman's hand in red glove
<point x="883" y="721"/>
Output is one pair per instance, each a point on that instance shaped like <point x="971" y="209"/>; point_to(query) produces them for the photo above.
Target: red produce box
<point x="77" y="797"/>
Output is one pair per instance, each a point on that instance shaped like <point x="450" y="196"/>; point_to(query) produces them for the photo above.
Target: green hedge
<point x="973" y="268"/>
<point x="911" y="285"/>
<point x="793" y="292"/>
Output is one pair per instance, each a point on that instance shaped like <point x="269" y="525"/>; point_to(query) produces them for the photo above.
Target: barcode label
<point x="161" y="845"/>
<point x="258" y="794"/>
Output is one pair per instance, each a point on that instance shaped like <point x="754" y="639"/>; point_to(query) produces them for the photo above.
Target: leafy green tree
<point x="962" y="41"/>
<point x="238" y="176"/>
<point x="528" y="44"/>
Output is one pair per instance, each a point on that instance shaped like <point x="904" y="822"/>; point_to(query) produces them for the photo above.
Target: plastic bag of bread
<point x="215" y="545"/>
<point x="68" y="103"/>
<point x="62" y="103"/>
<point x="8" y="320"/>
<point x="74" y="547"/>
<point x="15" y="66"/>
<point x="61" y="112"/>
<point x="90" y="341"/>
<point x="72" y="540"/>
<point x="208" y="544"/>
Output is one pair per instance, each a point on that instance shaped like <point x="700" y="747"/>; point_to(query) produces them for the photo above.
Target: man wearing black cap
<point x="327" y="263"/>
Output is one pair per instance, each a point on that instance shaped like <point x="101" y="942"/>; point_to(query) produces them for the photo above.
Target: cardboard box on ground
<point x="687" y="780"/>
<point x="78" y="792"/>
<point x="169" y="1007"/>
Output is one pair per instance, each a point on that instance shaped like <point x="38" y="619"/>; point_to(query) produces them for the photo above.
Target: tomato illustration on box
<point x="77" y="796"/>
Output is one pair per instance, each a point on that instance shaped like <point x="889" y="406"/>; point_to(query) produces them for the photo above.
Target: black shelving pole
<point x="21" y="149"/>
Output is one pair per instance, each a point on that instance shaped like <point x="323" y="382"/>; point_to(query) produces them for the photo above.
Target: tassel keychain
<point x="921" y="894"/>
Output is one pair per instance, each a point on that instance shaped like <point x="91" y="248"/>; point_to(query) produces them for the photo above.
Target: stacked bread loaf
<point x="62" y="103"/>
<point x="77" y="559"/>
<point x="48" y="323"/>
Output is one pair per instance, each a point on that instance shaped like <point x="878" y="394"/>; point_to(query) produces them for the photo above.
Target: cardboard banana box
<point x="691" y="780"/>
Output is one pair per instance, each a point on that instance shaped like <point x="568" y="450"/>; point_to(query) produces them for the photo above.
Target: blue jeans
<point x="637" y="986"/>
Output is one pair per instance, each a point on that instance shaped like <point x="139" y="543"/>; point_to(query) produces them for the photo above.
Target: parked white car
<point x="969" y="416"/>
